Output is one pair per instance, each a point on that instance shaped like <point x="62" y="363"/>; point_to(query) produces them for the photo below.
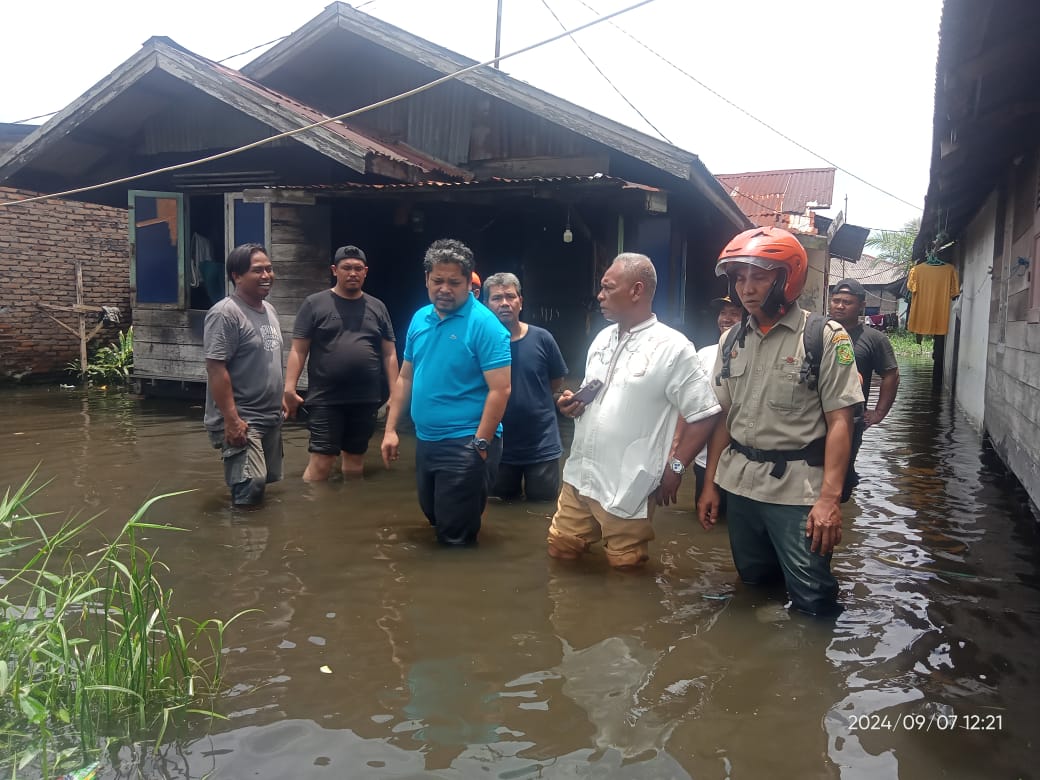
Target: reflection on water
<point x="376" y="654"/>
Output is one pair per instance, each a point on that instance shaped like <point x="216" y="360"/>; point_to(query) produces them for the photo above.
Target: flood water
<point x="496" y="662"/>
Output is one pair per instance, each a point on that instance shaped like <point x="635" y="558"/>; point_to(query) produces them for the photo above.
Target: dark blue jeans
<point x="769" y="542"/>
<point x="453" y="482"/>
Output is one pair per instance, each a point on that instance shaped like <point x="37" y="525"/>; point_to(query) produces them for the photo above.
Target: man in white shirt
<point x="619" y="465"/>
<point x="730" y="314"/>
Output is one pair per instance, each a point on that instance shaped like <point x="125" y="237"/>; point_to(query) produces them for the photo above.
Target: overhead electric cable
<point x="346" y="115"/>
<point x="605" y="76"/>
<point x="747" y="113"/>
<point x="254" y="48"/>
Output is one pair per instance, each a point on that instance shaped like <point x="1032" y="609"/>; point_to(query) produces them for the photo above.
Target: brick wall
<point x="39" y="244"/>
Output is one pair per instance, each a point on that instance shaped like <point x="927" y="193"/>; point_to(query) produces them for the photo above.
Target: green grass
<point x="89" y="647"/>
<point x="905" y="344"/>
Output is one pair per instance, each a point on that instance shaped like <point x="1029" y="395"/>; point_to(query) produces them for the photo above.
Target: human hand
<point x="668" y="490"/>
<point x="235" y="432"/>
<point x="823" y="525"/>
<point x="568" y="406"/>
<point x="871" y="417"/>
<point x="708" y="506"/>
<point x="390" y="447"/>
<point x="291" y="402"/>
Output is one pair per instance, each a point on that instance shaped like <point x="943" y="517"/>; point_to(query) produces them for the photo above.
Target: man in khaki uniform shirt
<point x="783" y="450"/>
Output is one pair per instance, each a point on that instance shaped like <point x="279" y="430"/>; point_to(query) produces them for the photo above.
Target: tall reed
<point x="89" y="647"/>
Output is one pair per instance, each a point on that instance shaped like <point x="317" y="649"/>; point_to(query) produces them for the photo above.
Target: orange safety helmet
<point x="769" y="248"/>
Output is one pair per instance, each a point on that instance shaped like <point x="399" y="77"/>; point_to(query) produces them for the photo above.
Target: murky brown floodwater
<point x="495" y="662"/>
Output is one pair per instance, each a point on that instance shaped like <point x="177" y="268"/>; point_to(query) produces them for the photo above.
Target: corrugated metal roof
<point x="308" y="115"/>
<point x="493" y="182"/>
<point x="762" y="194"/>
<point x="868" y="271"/>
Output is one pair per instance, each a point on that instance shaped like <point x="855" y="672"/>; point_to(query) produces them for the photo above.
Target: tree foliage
<point x="896" y="246"/>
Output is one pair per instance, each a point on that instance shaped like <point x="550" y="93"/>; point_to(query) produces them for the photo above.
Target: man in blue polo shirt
<point x="455" y="379"/>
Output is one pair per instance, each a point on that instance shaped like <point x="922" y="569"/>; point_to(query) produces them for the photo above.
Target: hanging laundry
<point x="932" y="286"/>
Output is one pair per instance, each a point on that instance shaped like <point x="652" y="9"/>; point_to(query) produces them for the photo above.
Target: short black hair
<point x="240" y="259"/>
<point x="449" y="250"/>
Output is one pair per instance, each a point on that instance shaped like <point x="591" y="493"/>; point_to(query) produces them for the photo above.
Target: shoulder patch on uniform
<point x="839" y="337"/>
<point x="844" y="354"/>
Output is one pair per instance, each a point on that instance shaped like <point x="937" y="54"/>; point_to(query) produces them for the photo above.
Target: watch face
<point x="677" y="467"/>
<point x="480" y="444"/>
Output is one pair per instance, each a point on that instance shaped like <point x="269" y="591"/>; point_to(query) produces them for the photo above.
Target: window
<point x="157" y="244"/>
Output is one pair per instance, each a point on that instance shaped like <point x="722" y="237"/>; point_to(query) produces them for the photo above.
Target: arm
<point x="499" y="382"/>
<point x="556" y="385"/>
<point x="824" y="521"/>
<point x="690" y="438"/>
<point x="400" y="397"/>
<point x="390" y="362"/>
<point x="886" y="397"/>
<point x="293" y="368"/>
<point x="708" y="505"/>
<point x="224" y="397"/>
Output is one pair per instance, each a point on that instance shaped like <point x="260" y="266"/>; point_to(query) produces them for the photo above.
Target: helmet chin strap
<point x="774" y="305"/>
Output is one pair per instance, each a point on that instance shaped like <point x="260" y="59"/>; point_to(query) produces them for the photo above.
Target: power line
<point x="254" y="48"/>
<point x="605" y="76"/>
<point x="747" y="113"/>
<point x="346" y="115"/>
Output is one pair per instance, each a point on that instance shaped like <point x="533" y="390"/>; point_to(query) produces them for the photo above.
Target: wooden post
<point x="82" y="323"/>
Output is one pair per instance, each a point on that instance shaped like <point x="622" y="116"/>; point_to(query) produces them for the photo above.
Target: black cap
<point x="852" y="287"/>
<point x="349" y="251"/>
<point x="724" y="300"/>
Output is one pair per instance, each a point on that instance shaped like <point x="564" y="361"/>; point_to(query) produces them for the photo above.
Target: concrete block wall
<point x="39" y="244"/>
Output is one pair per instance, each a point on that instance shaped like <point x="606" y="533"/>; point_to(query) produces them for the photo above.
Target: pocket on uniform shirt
<point x="786" y="393"/>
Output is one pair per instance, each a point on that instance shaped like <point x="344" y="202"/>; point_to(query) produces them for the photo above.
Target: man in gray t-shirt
<point x="242" y="344"/>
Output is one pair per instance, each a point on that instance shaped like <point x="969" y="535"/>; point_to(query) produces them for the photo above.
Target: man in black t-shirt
<point x="874" y="355"/>
<point x="349" y="339"/>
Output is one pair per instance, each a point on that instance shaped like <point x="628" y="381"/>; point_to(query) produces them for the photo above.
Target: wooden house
<point x="982" y="213"/>
<point x="534" y="184"/>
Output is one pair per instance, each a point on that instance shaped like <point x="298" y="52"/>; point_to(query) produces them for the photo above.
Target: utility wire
<point x="254" y="48"/>
<point x="229" y="57"/>
<point x="346" y="115"/>
<point x="747" y="113"/>
<point x="605" y="76"/>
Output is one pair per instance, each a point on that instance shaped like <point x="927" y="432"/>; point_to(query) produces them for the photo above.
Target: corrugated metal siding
<point x="439" y="123"/>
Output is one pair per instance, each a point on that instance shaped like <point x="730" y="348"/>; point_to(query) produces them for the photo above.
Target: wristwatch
<point x="481" y="444"/>
<point x="677" y="466"/>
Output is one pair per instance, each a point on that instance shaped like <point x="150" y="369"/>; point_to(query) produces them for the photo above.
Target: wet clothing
<point x="530" y="431"/>
<point x="453" y="482"/>
<point x="341" y="428"/>
<point x="623" y="438"/>
<point x="581" y="521"/>
<point x="707" y="357"/>
<point x="248" y="469"/>
<point x="770" y="546"/>
<point x="345" y="362"/>
<point x="249" y="342"/>
<point x="534" y="481"/>
<point x="449" y="358"/>
<point x="874" y="354"/>
<point x="769" y="412"/>
<point x="932" y="288"/>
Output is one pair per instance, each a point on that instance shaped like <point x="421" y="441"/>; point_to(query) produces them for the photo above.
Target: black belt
<point x="812" y="454"/>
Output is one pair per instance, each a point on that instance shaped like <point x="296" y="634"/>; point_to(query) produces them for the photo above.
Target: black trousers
<point x="453" y="483"/>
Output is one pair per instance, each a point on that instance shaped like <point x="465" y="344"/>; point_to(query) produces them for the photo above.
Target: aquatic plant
<point x="89" y="647"/>
<point x="110" y="364"/>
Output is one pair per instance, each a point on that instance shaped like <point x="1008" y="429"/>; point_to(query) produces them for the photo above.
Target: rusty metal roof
<point x="762" y="195"/>
<point x="308" y="115"/>
<point x="868" y="271"/>
<point x="493" y="182"/>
